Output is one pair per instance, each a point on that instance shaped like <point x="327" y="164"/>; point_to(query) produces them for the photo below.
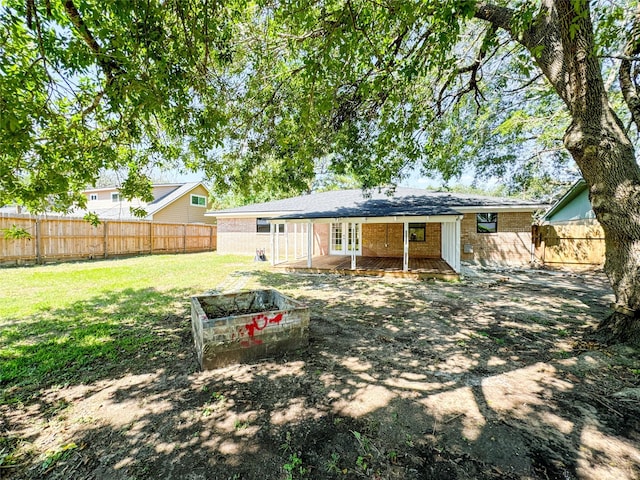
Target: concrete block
<point x="245" y="326"/>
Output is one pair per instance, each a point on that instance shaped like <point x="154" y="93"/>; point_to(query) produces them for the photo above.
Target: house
<point x="409" y="230"/>
<point x="172" y="203"/>
<point x="568" y="234"/>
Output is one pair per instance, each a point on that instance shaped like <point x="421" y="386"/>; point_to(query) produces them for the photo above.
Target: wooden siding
<point x="60" y="239"/>
<point x="181" y="210"/>
<point x="573" y="244"/>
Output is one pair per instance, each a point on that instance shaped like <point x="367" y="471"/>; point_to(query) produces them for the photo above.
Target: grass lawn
<point x="76" y="323"/>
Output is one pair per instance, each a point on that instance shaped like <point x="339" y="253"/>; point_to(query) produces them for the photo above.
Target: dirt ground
<point x="488" y="378"/>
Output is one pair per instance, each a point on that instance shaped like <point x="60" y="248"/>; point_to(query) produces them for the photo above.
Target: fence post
<point x="106" y="238"/>
<point x="210" y="238"/>
<point x="150" y="237"/>
<point x="38" y="245"/>
<point x="184" y="238"/>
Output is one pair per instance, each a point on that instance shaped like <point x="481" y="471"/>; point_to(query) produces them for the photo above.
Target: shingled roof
<point x="354" y="203"/>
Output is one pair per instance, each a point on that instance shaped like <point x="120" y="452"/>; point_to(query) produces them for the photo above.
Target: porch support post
<point x="277" y="236"/>
<point x="286" y="242"/>
<point x="457" y="267"/>
<point x="273" y="243"/>
<point x="352" y="228"/>
<point x="405" y="256"/>
<point x="309" y="243"/>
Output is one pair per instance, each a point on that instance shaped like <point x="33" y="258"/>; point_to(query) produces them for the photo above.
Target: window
<point x="417" y="232"/>
<point x="198" y="201"/>
<point x="487" y="222"/>
<point x="263" y="226"/>
<point x="93" y="196"/>
<point x="115" y="197"/>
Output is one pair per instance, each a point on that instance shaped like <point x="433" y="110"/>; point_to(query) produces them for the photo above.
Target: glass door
<point x="342" y="238"/>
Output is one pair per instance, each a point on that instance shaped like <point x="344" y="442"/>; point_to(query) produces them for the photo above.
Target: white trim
<point x="356" y="234"/>
<point x="392" y="219"/>
<point x="405" y="254"/>
<point x="450" y="244"/>
<point x="309" y="244"/>
<point x="499" y="209"/>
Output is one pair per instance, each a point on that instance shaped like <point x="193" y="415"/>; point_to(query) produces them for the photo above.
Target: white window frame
<point x="193" y="195"/>
<point x="345" y="232"/>
<point x="266" y="226"/>
<point x="115" y="197"/>
<point x="93" y="196"/>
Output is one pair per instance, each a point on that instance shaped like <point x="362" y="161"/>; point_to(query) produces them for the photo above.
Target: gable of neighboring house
<point x="573" y="205"/>
<point x="172" y="203"/>
<point x="188" y="206"/>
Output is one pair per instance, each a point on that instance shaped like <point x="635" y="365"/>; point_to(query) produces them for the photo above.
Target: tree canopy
<point x="257" y="95"/>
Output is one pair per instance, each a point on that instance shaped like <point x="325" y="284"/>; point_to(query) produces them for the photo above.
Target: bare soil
<point x="488" y="378"/>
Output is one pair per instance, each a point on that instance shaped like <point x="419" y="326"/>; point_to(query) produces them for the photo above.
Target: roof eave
<point x="501" y="209"/>
<point x="253" y="214"/>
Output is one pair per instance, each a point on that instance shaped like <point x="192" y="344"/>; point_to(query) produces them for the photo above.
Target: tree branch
<point x="108" y="65"/>
<point x="473" y="69"/>
<point x="500" y="17"/>
<point x="625" y="77"/>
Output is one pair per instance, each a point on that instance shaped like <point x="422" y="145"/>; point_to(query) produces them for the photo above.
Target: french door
<point x="345" y="237"/>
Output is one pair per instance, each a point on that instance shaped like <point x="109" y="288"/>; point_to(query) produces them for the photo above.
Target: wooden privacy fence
<point x="570" y="245"/>
<point x="53" y="239"/>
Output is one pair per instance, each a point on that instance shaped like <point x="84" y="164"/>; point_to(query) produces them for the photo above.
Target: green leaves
<point x="257" y="94"/>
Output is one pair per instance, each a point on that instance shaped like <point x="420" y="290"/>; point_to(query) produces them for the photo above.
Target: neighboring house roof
<point x="573" y="205"/>
<point x="122" y="210"/>
<point x="353" y="203"/>
<point x="114" y="188"/>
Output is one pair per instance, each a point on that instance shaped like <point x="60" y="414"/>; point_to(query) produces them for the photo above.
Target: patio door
<point x="344" y="237"/>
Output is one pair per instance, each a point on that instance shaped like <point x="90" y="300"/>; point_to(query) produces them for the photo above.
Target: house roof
<point x="115" y="188"/>
<point x="353" y="203"/>
<point x="574" y="191"/>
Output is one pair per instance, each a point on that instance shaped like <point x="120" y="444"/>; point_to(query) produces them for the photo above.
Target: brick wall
<point x="386" y="240"/>
<point x="511" y="245"/>
<point x="321" y="239"/>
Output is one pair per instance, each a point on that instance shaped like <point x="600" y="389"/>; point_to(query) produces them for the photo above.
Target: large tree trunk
<point x="561" y="41"/>
<point x="607" y="161"/>
<point x="602" y="150"/>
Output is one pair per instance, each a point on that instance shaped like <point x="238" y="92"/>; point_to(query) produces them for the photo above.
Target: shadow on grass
<point x="401" y="380"/>
<point x="126" y="332"/>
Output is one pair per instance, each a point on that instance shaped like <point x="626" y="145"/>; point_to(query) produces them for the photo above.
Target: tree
<point x="257" y="94"/>
<point x="387" y="83"/>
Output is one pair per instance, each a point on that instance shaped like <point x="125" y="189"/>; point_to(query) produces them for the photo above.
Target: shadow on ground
<point x="483" y="379"/>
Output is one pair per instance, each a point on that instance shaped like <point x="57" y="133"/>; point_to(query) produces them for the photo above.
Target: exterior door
<point x="342" y="238"/>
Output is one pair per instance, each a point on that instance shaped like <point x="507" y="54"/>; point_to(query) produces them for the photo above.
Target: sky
<point x="414" y="180"/>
